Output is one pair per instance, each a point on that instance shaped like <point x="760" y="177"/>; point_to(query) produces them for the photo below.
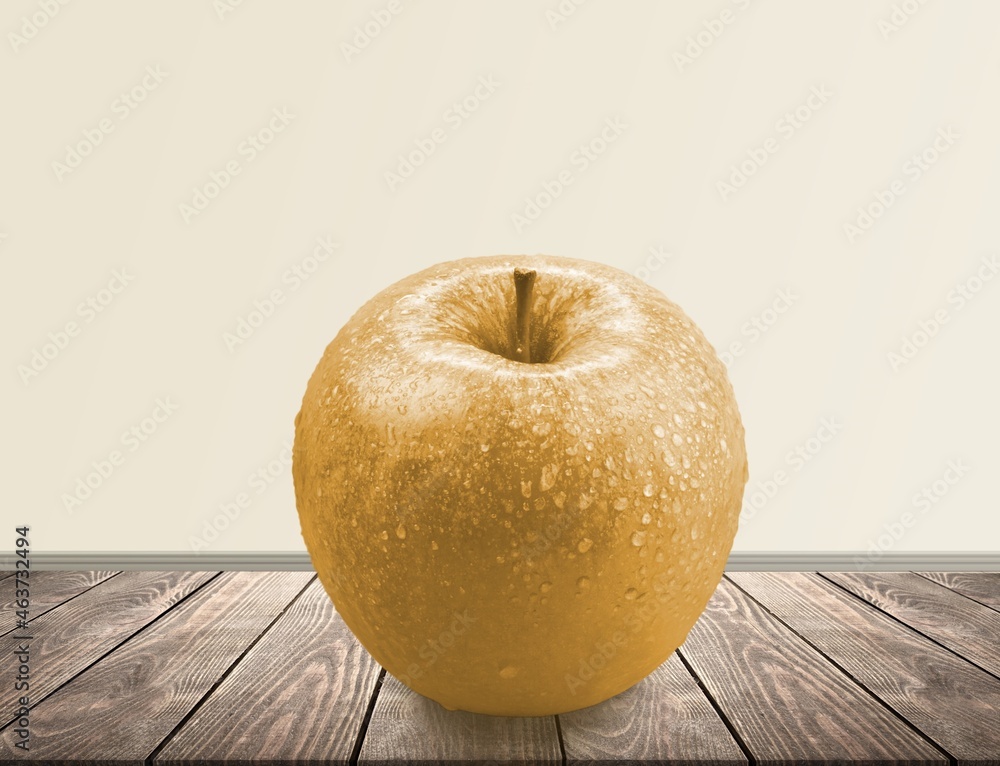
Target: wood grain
<point x="406" y="728"/>
<point x="954" y="703"/>
<point x="665" y="718"/>
<point x="48" y="589"/>
<point x="298" y="696"/>
<point x="75" y="634"/>
<point x="984" y="587"/>
<point x="786" y="702"/>
<point x="964" y="626"/>
<point x="121" y="708"/>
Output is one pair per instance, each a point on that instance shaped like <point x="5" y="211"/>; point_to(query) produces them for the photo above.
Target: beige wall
<point x="163" y="99"/>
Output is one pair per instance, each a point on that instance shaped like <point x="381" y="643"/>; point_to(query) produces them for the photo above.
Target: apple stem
<point x="524" y="280"/>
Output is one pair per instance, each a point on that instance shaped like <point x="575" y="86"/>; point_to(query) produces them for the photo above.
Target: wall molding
<point x="739" y="561"/>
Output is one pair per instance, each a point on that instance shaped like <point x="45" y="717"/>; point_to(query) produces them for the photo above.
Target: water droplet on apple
<point x="648" y="490"/>
<point x="694" y="533"/>
<point x="678" y="439"/>
<point x="434" y="545"/>
<point x="621" y="503"/>
<point x="549" y="474"/>
<point x="631" y="594"/>
<point x="583" y="583"/>
<point x="659" y="556"/>
<point x="384" y="535"/>
<point x="638" y="539"/>
<point x="319" y="492"/>
<point x="526" y="488"/>
<point x="694" y="483"/>
<point x="484" y="447"/>
<point x="401" y="532"/>
<point x="402" y="409"/>
<point x="658" y="431"/>
<point x="545" y="587"/>
<point x="509" y="671"/>
<point x="669" y="458"/>
<point x="542" y="428"/>
<point x="646" y="518"/>
<point x="584" y="545"/>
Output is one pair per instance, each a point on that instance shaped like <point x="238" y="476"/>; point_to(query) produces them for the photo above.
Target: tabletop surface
<point x="257" y="667"/>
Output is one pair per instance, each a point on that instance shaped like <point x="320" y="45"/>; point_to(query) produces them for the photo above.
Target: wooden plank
<point x="785" y="701"/>
<point x="664" y="718"/>
<point x="952" y="702"/>
<point x="48" y="589"/>
<point x="74" y="635"/>
<point x="298" y="696"/>
<point x="964" y="626"/>
<point x="984" y="587"/>
<point x="121" y="708"/>
<point x="407" y="728"/>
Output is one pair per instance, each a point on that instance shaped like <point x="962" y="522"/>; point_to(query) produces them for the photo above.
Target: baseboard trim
<point x="739" y="561"/>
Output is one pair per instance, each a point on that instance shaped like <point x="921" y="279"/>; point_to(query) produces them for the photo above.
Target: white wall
<point x="64" y="232"/>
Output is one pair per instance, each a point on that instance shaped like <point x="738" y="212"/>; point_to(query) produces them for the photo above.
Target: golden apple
<point x="519" y="479"/>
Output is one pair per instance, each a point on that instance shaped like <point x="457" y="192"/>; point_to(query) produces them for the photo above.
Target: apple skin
<point x="519" y="538"/>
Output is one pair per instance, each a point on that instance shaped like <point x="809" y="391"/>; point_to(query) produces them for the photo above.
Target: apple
<point x="519" y="479"/>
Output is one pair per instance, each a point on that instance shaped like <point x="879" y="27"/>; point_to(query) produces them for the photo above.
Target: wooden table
<point x="257" y="667"/>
